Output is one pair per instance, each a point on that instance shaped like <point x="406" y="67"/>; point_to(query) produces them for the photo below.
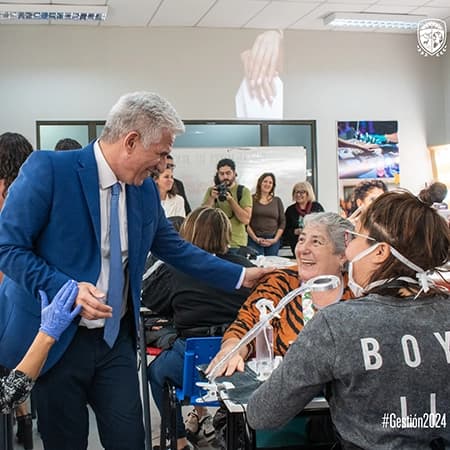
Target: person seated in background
<point x="435" y="194"/>
<point x="55" y="318"/>
<point x="197" y="310"/>
<point x="67" y="144"/>
<point x="305" y="203"/>
<point x="159" y="329"/>
<point x="268" y="220"/>
<point x="179" y="185"/>
<point x="172" y="203"/>
<point x="364" y="193"/>
<point x="388" y="350"/>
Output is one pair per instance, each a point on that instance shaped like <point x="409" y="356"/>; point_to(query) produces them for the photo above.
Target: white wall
<point x="70" y="73"/>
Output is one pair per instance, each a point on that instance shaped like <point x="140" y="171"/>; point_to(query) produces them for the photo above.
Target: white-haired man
<point x="93" y="215"/>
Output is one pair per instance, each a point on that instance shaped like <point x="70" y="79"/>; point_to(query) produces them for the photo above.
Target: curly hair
<point x="14" y="150"/>
<point x="362" y="190"/>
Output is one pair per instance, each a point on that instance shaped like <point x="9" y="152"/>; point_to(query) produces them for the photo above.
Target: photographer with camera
<point x="233" y="199"/>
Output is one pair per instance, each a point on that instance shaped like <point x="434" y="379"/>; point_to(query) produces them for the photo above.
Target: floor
<point x="94" y="441"/>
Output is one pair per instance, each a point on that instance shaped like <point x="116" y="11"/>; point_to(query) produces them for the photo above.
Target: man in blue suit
<point x="56" y="225"/>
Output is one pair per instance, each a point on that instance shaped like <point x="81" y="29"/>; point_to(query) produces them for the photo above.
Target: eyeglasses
<point x="170" y="166"/>
<point x="349" y="235"/>
<point x="300" y="192"/>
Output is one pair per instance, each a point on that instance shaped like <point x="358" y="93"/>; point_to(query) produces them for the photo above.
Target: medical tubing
<point x="253" y="332"/>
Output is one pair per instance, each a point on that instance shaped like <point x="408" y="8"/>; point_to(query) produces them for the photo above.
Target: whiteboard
<point x="196" y="168"/>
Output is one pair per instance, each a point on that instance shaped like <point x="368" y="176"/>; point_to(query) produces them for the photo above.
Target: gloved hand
<point x="378" y="139"/>
<point x="57" y="316"/>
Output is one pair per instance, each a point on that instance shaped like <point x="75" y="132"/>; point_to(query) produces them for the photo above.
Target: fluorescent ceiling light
<point x="79" y="13"/>
<point x="373" y="20"/>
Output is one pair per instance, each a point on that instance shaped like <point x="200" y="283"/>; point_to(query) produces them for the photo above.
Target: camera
<point x="222" y="189"/>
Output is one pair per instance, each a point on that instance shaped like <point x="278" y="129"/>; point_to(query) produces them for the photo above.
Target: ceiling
<point x="259" y="14"/>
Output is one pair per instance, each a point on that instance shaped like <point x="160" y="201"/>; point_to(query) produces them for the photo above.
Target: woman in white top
<point x="172" y="203"/>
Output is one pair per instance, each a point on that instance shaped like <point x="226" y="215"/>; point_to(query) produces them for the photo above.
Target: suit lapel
<point x="134" y="217"/>
<point x="88" y="175"/>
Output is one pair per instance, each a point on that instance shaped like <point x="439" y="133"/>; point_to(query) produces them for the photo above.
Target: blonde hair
<point x="304" y="186"/>
<point x="207" y="228"/>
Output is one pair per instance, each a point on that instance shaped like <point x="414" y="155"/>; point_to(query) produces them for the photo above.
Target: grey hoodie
<point x="381" y="357"/>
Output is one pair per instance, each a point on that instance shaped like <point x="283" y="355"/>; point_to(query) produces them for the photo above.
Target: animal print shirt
<point x="274" y="287"/>
<point x="14" y="389"/>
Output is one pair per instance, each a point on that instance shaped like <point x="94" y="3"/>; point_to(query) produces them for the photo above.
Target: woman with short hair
<point x="305" y="203"/>
<point x="320" y="250"/>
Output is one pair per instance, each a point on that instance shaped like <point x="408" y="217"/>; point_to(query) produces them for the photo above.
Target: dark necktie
<point x="116" y="277"/>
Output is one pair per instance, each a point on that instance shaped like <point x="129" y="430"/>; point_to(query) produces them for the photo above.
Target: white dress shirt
<point x="106" y="179"/>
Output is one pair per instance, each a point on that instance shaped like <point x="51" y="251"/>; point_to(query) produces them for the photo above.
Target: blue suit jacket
<point x="50" y="232"/>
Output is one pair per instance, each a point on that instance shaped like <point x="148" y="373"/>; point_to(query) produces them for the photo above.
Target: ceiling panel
<point x="403" y="2"/>
<point x="444" y="3"/>
<point x="232" y="13"/>
<point x="280" y="14"/>
<point x="353" y="2"/>
<point x="178" y="13"/>
<point x="264" y="14"/>
<point x="132" y="13"/>
<point x="300" y="1"/>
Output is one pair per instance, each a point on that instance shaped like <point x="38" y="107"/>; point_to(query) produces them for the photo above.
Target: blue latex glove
<point x="57" y="316"/>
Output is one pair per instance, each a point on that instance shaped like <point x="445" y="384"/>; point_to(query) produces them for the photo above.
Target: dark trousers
<point x="91" y="372"/>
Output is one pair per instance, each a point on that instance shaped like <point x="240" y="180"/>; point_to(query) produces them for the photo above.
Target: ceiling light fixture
<point x="79" y="13"/>
<point x="373" y="20"/>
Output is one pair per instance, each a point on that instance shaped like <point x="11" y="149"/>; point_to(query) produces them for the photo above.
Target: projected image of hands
<point x="260" y="95"/>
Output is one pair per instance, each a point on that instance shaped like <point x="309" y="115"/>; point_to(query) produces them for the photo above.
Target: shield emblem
<point x="432" y="36"/>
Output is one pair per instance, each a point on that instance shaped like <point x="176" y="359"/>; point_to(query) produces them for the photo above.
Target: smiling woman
<point x="320" y="251"/>
<point x="305" y="203"/>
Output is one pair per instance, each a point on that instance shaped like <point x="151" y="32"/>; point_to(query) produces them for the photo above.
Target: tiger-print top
<point x="275" y="286"/>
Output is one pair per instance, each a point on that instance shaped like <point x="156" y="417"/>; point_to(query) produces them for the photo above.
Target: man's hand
<point x="92" y="301"/>
<point x="214" y="193"/>
<point x="253" y="274"/>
